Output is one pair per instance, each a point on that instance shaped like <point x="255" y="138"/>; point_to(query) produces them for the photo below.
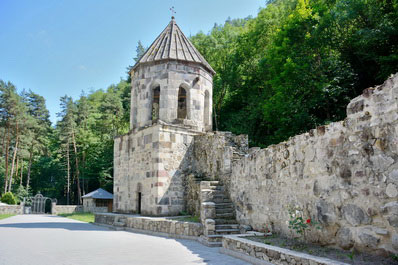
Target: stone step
<point x="214" y="244"/>
<point x="214" y="238"/>
<point x="224" y="205"/>
<point x="214" y="182"/>
<point x="227" y="231"/>
<point x="224" y="221"/>
<point x="225" y="210"/>
<point x="221" y="199"/>
<point x="225" y="215"/>
<point x="227" y="226"/>
<point x="220" y="194"/>
<point x="205" y="240"/>
<point x="217" y="193"/>
<point x="119" y="224"/>
<point x="218" y="187"/>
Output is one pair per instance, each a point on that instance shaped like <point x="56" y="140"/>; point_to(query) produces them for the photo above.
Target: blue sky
<point x="58" y="47"/>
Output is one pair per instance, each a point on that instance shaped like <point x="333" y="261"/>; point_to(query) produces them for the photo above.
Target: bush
<point x="23" y="193"/>
<point x="8" y="198"/>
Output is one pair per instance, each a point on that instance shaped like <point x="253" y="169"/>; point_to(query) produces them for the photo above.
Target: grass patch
<point x="84" y="217"/>
<point x="194" y="219"/>
<point x="4" y="216"/>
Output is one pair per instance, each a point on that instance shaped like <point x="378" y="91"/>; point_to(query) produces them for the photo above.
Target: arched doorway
<point x="139" y="198"/>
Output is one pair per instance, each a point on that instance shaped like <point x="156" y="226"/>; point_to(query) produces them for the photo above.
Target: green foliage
<point x="139" y="51"/>
<point x="194" y="219"/>
<point x="8" y="198"/>
<point x="300" y="224"/>
<point x="23" y="193"/>
<point x="4" y="216"/>
<point x="296" y="65"/>
<point x="351" y="255"/>
<point x="70" y="159"/>
<point x="84" y="217"/>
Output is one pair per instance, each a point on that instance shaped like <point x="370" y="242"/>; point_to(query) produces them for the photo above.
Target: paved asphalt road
<point x="53" y="240"/>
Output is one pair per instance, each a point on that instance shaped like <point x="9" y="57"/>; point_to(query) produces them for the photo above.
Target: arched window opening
<point x="155" y="104"/>
<point x="206" y="110"/>
<point x="182" y="104"/>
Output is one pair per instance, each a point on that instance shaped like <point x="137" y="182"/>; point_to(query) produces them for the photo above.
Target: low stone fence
<point x="152" y="225"/>
<point x="263" y="254"/>
<point x="89" y="209"/>
<point x="57" y="209"/>
<point x="11" y="209"/>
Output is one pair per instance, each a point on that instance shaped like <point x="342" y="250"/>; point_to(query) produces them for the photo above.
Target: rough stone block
<point x="355" y="215"/>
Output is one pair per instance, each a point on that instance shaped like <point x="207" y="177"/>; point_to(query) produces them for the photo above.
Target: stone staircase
<point x="217" y="213"/>
<point x="119" y="223"/>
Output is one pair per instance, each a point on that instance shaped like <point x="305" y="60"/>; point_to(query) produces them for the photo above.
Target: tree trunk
<point x="79" y="195"/>
<point x="21" y="178"/>
<point x="13" y="158"/>
<point x="68" y="177"/>
<point x="17" y="168"/>
<point x="4" y="141"/>
<point x="29" y="166"/>
<point x="83" y="169"/>
<point x="6" y="159"/>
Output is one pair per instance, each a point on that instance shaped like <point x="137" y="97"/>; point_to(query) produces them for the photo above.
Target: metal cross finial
<point x="172" y="12"/>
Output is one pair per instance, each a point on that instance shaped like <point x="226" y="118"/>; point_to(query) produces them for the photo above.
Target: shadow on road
<point x="204" y="255"/>
<point x="56" y="225"/>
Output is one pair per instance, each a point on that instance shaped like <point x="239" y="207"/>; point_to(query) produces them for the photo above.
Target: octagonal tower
<point x="171" y="102"/>
<point x="172" y="83"/>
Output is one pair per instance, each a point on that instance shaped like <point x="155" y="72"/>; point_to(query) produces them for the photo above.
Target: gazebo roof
<point x="99" y="194"/>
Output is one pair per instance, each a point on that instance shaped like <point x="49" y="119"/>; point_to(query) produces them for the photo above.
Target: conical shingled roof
<point x="172" y="44"/>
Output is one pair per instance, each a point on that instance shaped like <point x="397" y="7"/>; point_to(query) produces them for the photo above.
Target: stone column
<point x="22" y="211"/>
<point x="53" y="211"/>
<point x="209" y="227"/>
<point x="207" y="215"/>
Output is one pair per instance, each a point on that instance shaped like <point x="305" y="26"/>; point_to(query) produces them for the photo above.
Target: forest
<point x="291" y="68"/>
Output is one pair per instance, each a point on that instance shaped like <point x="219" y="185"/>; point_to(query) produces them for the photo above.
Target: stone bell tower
<point x="171" y="101"/>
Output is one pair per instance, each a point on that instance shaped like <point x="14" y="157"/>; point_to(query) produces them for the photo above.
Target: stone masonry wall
<point x="57" y="209"/>
<point x="152" y="161"/>
<point x="343" y="175"/>
<point x="133" y="170"/>
<point x="153" y="224"/>
<point x="214" y="153"/>
<point x="11" y="209"/>
<point x="259" y="253"/>
<point x="94" y="209"/>
<point x="169" y="76"/>
<point x="192" y="194"/>
<point x="90" y="206"/>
